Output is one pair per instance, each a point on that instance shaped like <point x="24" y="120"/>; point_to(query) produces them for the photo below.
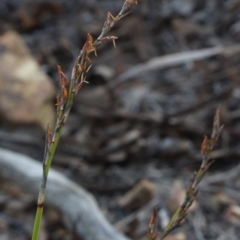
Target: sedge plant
<point x="207" y="146"/>
<point x="65" y="100"/>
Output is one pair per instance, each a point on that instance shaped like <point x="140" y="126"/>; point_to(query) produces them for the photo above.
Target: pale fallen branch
<point x="79" y="208"/>
<point x="174" y="59"/>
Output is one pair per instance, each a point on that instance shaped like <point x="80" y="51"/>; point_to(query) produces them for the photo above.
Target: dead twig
<point x="173" y="60"/>
<point x="79" y="208"/>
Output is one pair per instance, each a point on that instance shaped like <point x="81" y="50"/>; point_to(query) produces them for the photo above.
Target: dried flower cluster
<point x="192" y="190"/>
<point x="83" y="64"/>
<point x="69" y="89"/>
<point x="152" y="233"/>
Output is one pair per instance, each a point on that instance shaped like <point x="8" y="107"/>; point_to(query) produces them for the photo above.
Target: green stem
<point x="38" y="216"/>
<point x="52" y="150"/>
<point x="37" y="223"/>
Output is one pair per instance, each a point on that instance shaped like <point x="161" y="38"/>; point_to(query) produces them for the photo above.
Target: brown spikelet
<point x="49" y="135"/>
<point x="63" y="79"/>
<point x="129" y="3"/>
<point x="205" y="146"/>
<point x="64" y="93"/>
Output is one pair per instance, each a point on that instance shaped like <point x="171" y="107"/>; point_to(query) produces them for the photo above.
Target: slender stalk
<point x="37" y="222"/>
<point x="69" y="90"/>
<point x="40" y="203"/>
<point x="192" y="190"/>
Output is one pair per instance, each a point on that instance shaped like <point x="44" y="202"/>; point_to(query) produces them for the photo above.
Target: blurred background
<point x="134" y="134"/>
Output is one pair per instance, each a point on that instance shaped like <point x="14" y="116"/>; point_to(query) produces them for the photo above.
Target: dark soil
<point x="148" y="127"/>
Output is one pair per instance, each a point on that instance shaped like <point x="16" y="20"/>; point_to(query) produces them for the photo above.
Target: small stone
<point x="177" y="236"/>
<point x="174" y="147"/>
<point x="26" y="92"/>
<point x="138" y="196"/>
<point x="116" y="157"/>
<point x="221" y="200"/>
<point x="180" y="236"/>
<point x="232" y="213"/>
<point x="105" y="71"/>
